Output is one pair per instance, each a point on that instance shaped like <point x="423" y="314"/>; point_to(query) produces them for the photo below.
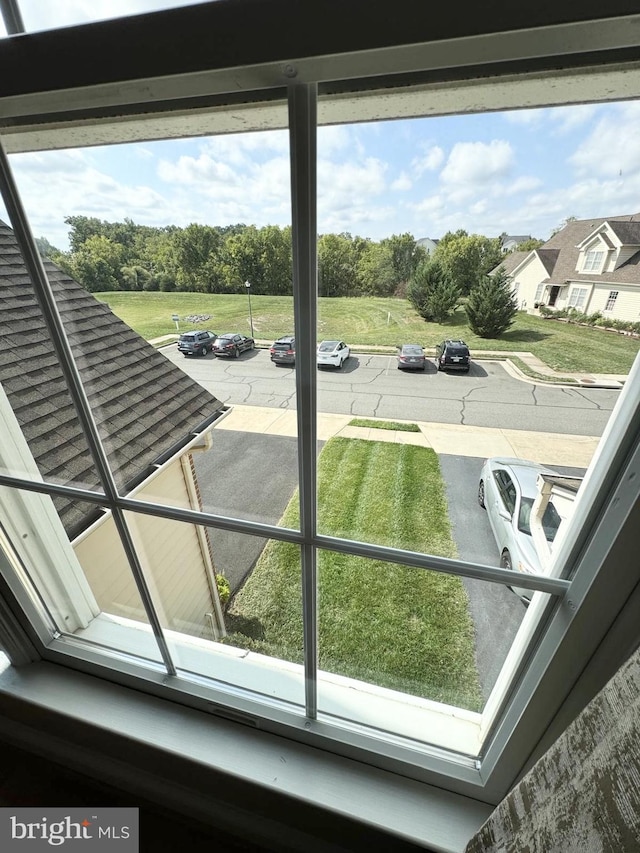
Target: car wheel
<point x="438" y="365"/>
<point x="253" y="344"/>
<point x="236" y="353"/>
<point x="481" y="493"/>
<point x="505" y="561"/>
<point x="203" y="351"/>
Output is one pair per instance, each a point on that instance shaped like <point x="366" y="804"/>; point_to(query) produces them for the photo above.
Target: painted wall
<point x="178" y="571"/>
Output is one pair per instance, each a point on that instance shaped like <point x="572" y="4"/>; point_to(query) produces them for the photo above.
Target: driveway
<point x="250" y="477"/>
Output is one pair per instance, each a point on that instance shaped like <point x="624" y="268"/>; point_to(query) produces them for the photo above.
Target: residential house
<point x="510" y="242"/>
<point x="427" y="244"/>
<point x="592" y="265"/>
<point x="151" y="418"/>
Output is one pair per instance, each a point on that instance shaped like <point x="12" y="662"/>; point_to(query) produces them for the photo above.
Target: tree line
<point x="108" y="256"/>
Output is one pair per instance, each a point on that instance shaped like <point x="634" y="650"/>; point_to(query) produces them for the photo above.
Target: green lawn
<point x="391" y="625"/>
<point x="372" y="321"/>
<point x="392" y="425"/>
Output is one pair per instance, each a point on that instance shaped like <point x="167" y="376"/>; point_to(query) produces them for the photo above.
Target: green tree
<point x="491" y="306"/>
<point x="432" y="293"/>
<point x="337" y="265"/>
<point x="261" y="256"/>
<point x="375" y="272"/>
<point x="467" y="258"/>
<point x="46" y="249"/>
<point x="96" y="264"/>
<point x="405" y="256"/>
<point x="528" y="245"/>
<point x="196" y="253"/>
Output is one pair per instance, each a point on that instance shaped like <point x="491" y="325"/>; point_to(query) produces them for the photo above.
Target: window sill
<point x="215" y="770"/>
<point x="342" y="700"/>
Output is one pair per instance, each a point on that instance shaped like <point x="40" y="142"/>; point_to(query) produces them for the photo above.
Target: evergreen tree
<point x="491" y="306"/>
<point x="432" y="293"/>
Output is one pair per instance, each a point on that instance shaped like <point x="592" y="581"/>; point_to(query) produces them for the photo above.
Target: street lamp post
<point x="247" y="284"/>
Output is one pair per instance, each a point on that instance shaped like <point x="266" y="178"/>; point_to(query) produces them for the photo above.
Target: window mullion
<point x="302" y="135"/>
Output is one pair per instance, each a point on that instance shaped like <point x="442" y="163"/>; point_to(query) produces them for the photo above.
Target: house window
<point x="593" y="260"/>
<point x="611" y="300"/>
<point x="578" y="298"/>
<point x="307" y="683"/>
<point x="539" y="292"/>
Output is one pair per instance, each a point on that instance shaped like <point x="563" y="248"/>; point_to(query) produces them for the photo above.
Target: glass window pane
<point x="165" y="295"/>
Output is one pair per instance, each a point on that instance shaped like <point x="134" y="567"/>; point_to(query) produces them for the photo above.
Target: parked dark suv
<point x="283" y="351"/>
<point x="196" y="343"/>
<point x="453" y="355"/>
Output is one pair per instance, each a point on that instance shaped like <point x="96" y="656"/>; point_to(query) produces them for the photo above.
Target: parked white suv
<point x="332" y="354"/>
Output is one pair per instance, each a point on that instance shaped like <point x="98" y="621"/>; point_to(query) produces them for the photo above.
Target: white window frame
<point x="578" y="298"/>
<point x="539" y="292"/>
<point x="593" y="260"/>
<point x="520" y="718"/>
<point x="611" y="300"/>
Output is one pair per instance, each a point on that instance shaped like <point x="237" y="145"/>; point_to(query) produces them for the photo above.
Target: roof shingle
<point x="142" y="404"/>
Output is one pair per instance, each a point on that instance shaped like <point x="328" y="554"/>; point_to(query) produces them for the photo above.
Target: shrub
<point x="224" y="590"/>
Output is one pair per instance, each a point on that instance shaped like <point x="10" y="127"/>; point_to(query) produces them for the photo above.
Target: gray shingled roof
<point x="511" y="261"/>
<point x="627" y="228"/>
<point x="144" y="405"/>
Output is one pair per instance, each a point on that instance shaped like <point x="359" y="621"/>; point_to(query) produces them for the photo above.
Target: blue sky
<point x="519" y="172"/>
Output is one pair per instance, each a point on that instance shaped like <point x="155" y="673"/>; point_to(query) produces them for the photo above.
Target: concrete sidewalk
<point x="547" y="448"/>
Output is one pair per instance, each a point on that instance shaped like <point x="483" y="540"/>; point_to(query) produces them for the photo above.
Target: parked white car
<point x="508" y="489"/>
<point x="332" y="354"/>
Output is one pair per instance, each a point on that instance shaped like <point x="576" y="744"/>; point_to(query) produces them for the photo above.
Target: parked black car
<point x="453" y="355"/>
<point x="283" y="351"/>
<point x="196" y="343"/>
<point x="232" y="344"/>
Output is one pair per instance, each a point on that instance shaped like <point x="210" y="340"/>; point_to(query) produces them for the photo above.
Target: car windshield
<point x="550" y="520"/>
<point x="327" y="346"/>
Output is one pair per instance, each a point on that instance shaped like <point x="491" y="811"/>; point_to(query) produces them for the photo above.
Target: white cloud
<point x="430" y="161"/>
<point x="611" y="147"/>
<point x="201" y="172"/>
<point x="478" y="163"/>
<point x="402" y="182"/>
<point x="524" y="184"/>
<point x="528" y="118"/>
<point x="334" y="138"/>
<point x="57" y="184"/>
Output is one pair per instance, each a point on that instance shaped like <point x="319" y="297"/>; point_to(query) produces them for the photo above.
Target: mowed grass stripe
<point x="398" y="627"/>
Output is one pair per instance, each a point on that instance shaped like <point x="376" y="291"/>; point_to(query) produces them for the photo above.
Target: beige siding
<point x="565" y="292"/>
<point x="627" y="305"/>
<point x="624" y="253"/>
<point x="171" y="555"/>
<point x="528" y="276"/>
